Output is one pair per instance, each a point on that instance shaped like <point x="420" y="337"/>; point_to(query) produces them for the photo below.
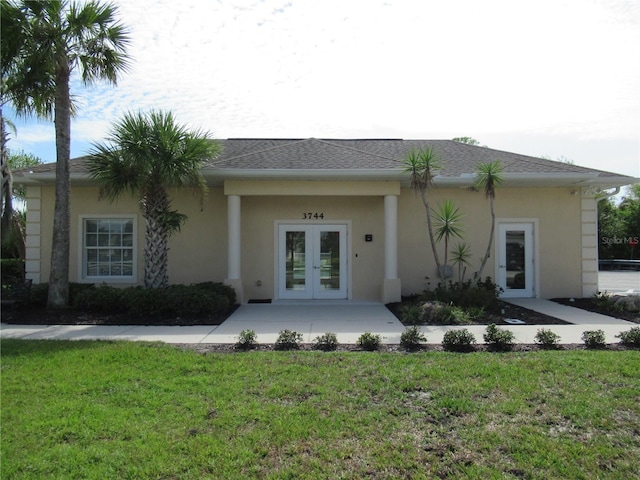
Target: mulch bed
<point x="590" y="305"/>
<point x="206" y="348"/>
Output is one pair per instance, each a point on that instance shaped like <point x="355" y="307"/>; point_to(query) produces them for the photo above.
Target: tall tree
<point x="53" y="38"/>
<point x="488" y="178"/>
<point x="421" y="165"/>
<point x="14" y="219"/>
<point x="145" y="154"/>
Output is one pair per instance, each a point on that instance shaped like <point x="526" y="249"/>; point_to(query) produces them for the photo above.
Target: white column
<point x="391" y="287"/>
<point x="234" y="245"/>
<point x="390" y="236"/>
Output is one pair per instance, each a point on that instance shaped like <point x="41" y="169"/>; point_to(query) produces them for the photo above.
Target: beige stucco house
<point x="311" y="219"/>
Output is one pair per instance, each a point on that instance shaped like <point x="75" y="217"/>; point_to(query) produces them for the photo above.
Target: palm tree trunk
<point x="59" y="273"/>
<point x="430" y="228"/>
<point x="5" y="200"/>
<point x="154" y="205"/>
<point x="487" y="254"/>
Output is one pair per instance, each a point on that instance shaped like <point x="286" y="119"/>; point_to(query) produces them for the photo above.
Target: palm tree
<point x="448" y="217"/>
<point x="460" y="256"/>
<point x="420" y="165"/>
<point x="50" y="39"/>
<point x="488" y="178"/>
<point x="144" y="155"/>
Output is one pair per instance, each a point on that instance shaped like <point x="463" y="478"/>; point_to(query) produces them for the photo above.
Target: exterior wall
<point x="259" y="215"/>
<point x="196" y="254"/>
<point x="559" y="249"/>
<point x="199" y="252"/>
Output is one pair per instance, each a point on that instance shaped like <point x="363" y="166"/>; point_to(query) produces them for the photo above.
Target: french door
<point x="312" y="261"/>
<point x="515" y="272"/>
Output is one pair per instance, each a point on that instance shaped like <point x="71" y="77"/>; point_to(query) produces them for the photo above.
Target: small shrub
<point x="439" y="313"/>
<point x="458" y="340"/>
<point x="603" y="300"/>
<point x="411" y="314"/>
<point x="247" y="340"/>
<point x="39" y="293"/>
<point x="101" y="299"/>
<point x="500" y="340"/>
<point x="327" y="342"/>
<point x="142" y="301"/>
<point x="411" y="338"/>
<point x="594" y="338"/>
<point x="483" y="294"/>
<point x="11" y="269"/>
<point x="369" y="341"/>
<point x="288" y="340"/>
<point x="547" y="339"/>
<point x="630" y="338"/>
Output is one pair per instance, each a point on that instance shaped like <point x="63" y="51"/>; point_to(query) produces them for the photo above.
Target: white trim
<point x="345" y="251"/>
<point x="33" y="252"/>
<point x="133" y="279"/>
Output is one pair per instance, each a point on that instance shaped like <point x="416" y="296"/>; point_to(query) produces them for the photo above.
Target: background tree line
<point x="617" y="224"/>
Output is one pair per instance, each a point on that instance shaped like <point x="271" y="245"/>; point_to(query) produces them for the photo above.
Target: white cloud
<point x="548" y="70"/>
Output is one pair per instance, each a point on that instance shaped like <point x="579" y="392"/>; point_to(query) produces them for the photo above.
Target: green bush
<point x="630" y="338"/>
<point x="104" y="299"/>
<point x="176" y="300"/>
<point x="327" y="342"/>
<point x="288" y="340"/>
<point x="11" y="269"/>
<point x="411" y="314"/>
<point x="369" y="341"/>
<point x="411" y="338"/>
<point x="500" y="340"/>
<point x="247" y="340"/>
<point x="140" y="301"/>
<point x="438" y="313"/>
<point x="547" y="339"/>
<point x="594" y="338"/>
<point x="40" y="292"/>
<point x="458" y="340"/>
<point x="483" y="294"/>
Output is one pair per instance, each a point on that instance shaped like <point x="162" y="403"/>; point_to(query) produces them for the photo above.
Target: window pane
<point x="92" y="240"/>
<point x="92" y="226"/>
<point x="108" y="249"/>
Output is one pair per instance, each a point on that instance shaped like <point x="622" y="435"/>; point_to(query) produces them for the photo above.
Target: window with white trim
<point x="108" y="248"/>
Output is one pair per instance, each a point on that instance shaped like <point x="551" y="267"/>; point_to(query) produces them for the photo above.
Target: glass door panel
<point x="295" y="260"/>
<point x="329" y="261"/>
<point x="515" y="273"/>
<point x="312" y="261"/>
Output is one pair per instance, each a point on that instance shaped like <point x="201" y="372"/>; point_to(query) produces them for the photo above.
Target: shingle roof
<point x="456" y="158"/>
<point x="383" y="155"/>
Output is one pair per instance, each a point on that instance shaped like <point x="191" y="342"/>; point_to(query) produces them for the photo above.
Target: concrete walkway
<point x="347" y="321"/>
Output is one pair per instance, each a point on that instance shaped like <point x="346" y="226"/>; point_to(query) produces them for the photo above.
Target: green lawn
<point x="133" y="410"/>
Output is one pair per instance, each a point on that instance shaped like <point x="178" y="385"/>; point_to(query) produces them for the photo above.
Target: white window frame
<point x="82" y="257"/>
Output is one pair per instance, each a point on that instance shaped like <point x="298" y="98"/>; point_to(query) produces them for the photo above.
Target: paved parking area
<point x="620" y="283"/>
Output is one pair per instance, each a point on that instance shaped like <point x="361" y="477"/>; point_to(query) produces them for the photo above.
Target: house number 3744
<point x="312" y="215"/>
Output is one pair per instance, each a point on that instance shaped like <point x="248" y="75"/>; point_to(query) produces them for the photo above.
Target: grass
<point x="145" y="410"/>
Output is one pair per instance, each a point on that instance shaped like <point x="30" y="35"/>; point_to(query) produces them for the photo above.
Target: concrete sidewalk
<point x="347" y="321"/>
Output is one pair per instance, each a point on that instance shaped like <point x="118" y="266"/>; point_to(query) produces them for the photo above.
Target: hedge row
<point x="178" y="300"/>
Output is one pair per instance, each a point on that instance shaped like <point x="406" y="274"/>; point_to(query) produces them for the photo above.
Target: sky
<point x="558" y="79"/>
